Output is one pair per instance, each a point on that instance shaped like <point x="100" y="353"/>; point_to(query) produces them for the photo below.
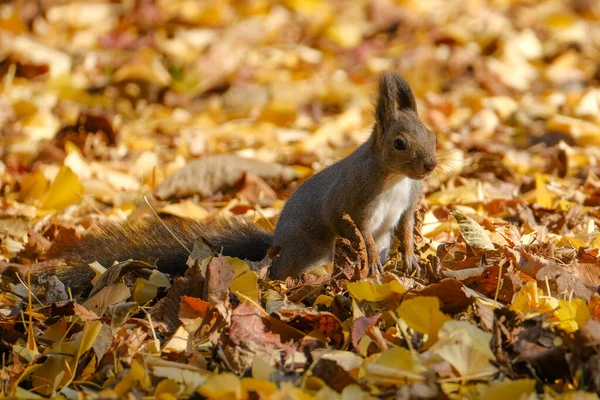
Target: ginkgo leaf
<point x="571" y="314"/>
<point x="472" y="232"/>
<point x="64" y="190"/>
<point x="137" y="376"/>
<point x="529" y="298"/>
<point x="423" y="314"/>
<point x="146" y="290"/>
<point x="372" y="291"/>
<point x="543" y="197"/>
<point x="394" y="366"/>
<point x="33" y="187"/>
<point x="90" y="332"/>
<point x="167" y="386"/>
<point x="466" y="348"/>
<point x="509" y="389"/>
<point x="244" y="281"/>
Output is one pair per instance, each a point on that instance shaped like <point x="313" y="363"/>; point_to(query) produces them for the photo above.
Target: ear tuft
<point x="406" y="99"/>
<point x="394" y="95"/>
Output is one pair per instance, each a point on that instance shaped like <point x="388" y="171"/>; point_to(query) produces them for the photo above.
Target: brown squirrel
<point x="378" y="186"/>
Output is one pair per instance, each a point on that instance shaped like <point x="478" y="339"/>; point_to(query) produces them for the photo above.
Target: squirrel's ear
<point x="394" y="95"/>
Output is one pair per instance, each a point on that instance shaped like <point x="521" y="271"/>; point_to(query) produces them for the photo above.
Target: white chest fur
<point x="388" y="208"/>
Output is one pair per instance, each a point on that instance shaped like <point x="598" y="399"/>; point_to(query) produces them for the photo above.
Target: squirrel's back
<point x="147" y="239"/>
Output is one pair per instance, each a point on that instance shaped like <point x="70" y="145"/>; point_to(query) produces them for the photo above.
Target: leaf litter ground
<point x="104" y="106"/>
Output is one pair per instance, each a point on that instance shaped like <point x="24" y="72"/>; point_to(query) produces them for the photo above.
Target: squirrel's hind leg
<point x="294" y="259"/>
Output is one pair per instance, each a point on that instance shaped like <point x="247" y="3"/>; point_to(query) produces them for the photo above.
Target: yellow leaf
<point x="244" y="281"/>
<point x="90" y="332"/>
<point x="394" y="366"/>
<point x="560" y="20"/>
<point x="371" y="291"/>
<point x="571" y="314"/>
<point x="136" y="377"/>
<point x="595" y="241"/>
<point x="146" y="290"/>
<point x="222" y="386"/>
<point x="89" y="369"/>
<point x="165" y="396"/>
<point x="565" y="205"/>
<point x="363" y="345"/>
<point x="23" y="108"/>
<point x="33" y="187"/>
<point x="167" y="386"/>
<point x="64" y="191"/>
<point x="261" y="387"/>
<point x="543" y="197"/>
<point x="316" y="8"/>
<point x="509" y="390"/>
<point x="323" y="299"/>
<point x="302" y="171"/>
<point x="528" y="299"/>
<point x="466" y="348"/>
<point x="345" y="33"/>
<point x="142" y="292"/>
<point x="424" y="316"/>
<point x="573" y="242"/>
<point x="71" y="147"/>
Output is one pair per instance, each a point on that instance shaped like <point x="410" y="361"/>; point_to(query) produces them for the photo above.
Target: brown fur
<point x="147" y="239"/>
<point x="311" y="219"/>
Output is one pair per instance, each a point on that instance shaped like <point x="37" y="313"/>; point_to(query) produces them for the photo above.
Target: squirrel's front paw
<point x="376" y="268"/>
<point x="411" y="262"/>
<point x="375" y="265"/>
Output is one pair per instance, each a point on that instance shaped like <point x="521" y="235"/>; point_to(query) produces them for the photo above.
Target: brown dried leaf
<point x="452" y="294"/>
<point x="211" y="174"/>
<point x="109" y="295"/>
<point x="218" y="280"/>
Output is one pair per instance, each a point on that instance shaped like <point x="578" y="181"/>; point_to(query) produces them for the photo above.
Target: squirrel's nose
<point x="430" y="164"/>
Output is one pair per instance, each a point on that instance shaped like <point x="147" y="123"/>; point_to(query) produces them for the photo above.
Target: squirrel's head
<point x="406" y="145"/>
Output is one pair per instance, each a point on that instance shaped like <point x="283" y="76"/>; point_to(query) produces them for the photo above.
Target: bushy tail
<point x="148" y="239"/>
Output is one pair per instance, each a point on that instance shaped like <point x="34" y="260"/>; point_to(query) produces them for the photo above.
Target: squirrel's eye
<point x="399" y="144"/>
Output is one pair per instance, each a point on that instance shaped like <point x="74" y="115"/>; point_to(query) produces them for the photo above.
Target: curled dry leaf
<point x="107" y="296"/>
<point x="472" y="232"/>
<point x="211" y="174"/>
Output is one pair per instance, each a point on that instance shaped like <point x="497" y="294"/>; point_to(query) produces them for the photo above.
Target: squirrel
<point x="378" y="186"/>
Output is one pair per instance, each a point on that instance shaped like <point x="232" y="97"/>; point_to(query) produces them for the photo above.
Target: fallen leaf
<point x="371" y="291"/>
<point x="64" y="190"/>
<point x="472" y="232"/>
<point x="106" y="297"/>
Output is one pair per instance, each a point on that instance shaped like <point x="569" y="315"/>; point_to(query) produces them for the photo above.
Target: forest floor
<point x="102" y="101"/>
